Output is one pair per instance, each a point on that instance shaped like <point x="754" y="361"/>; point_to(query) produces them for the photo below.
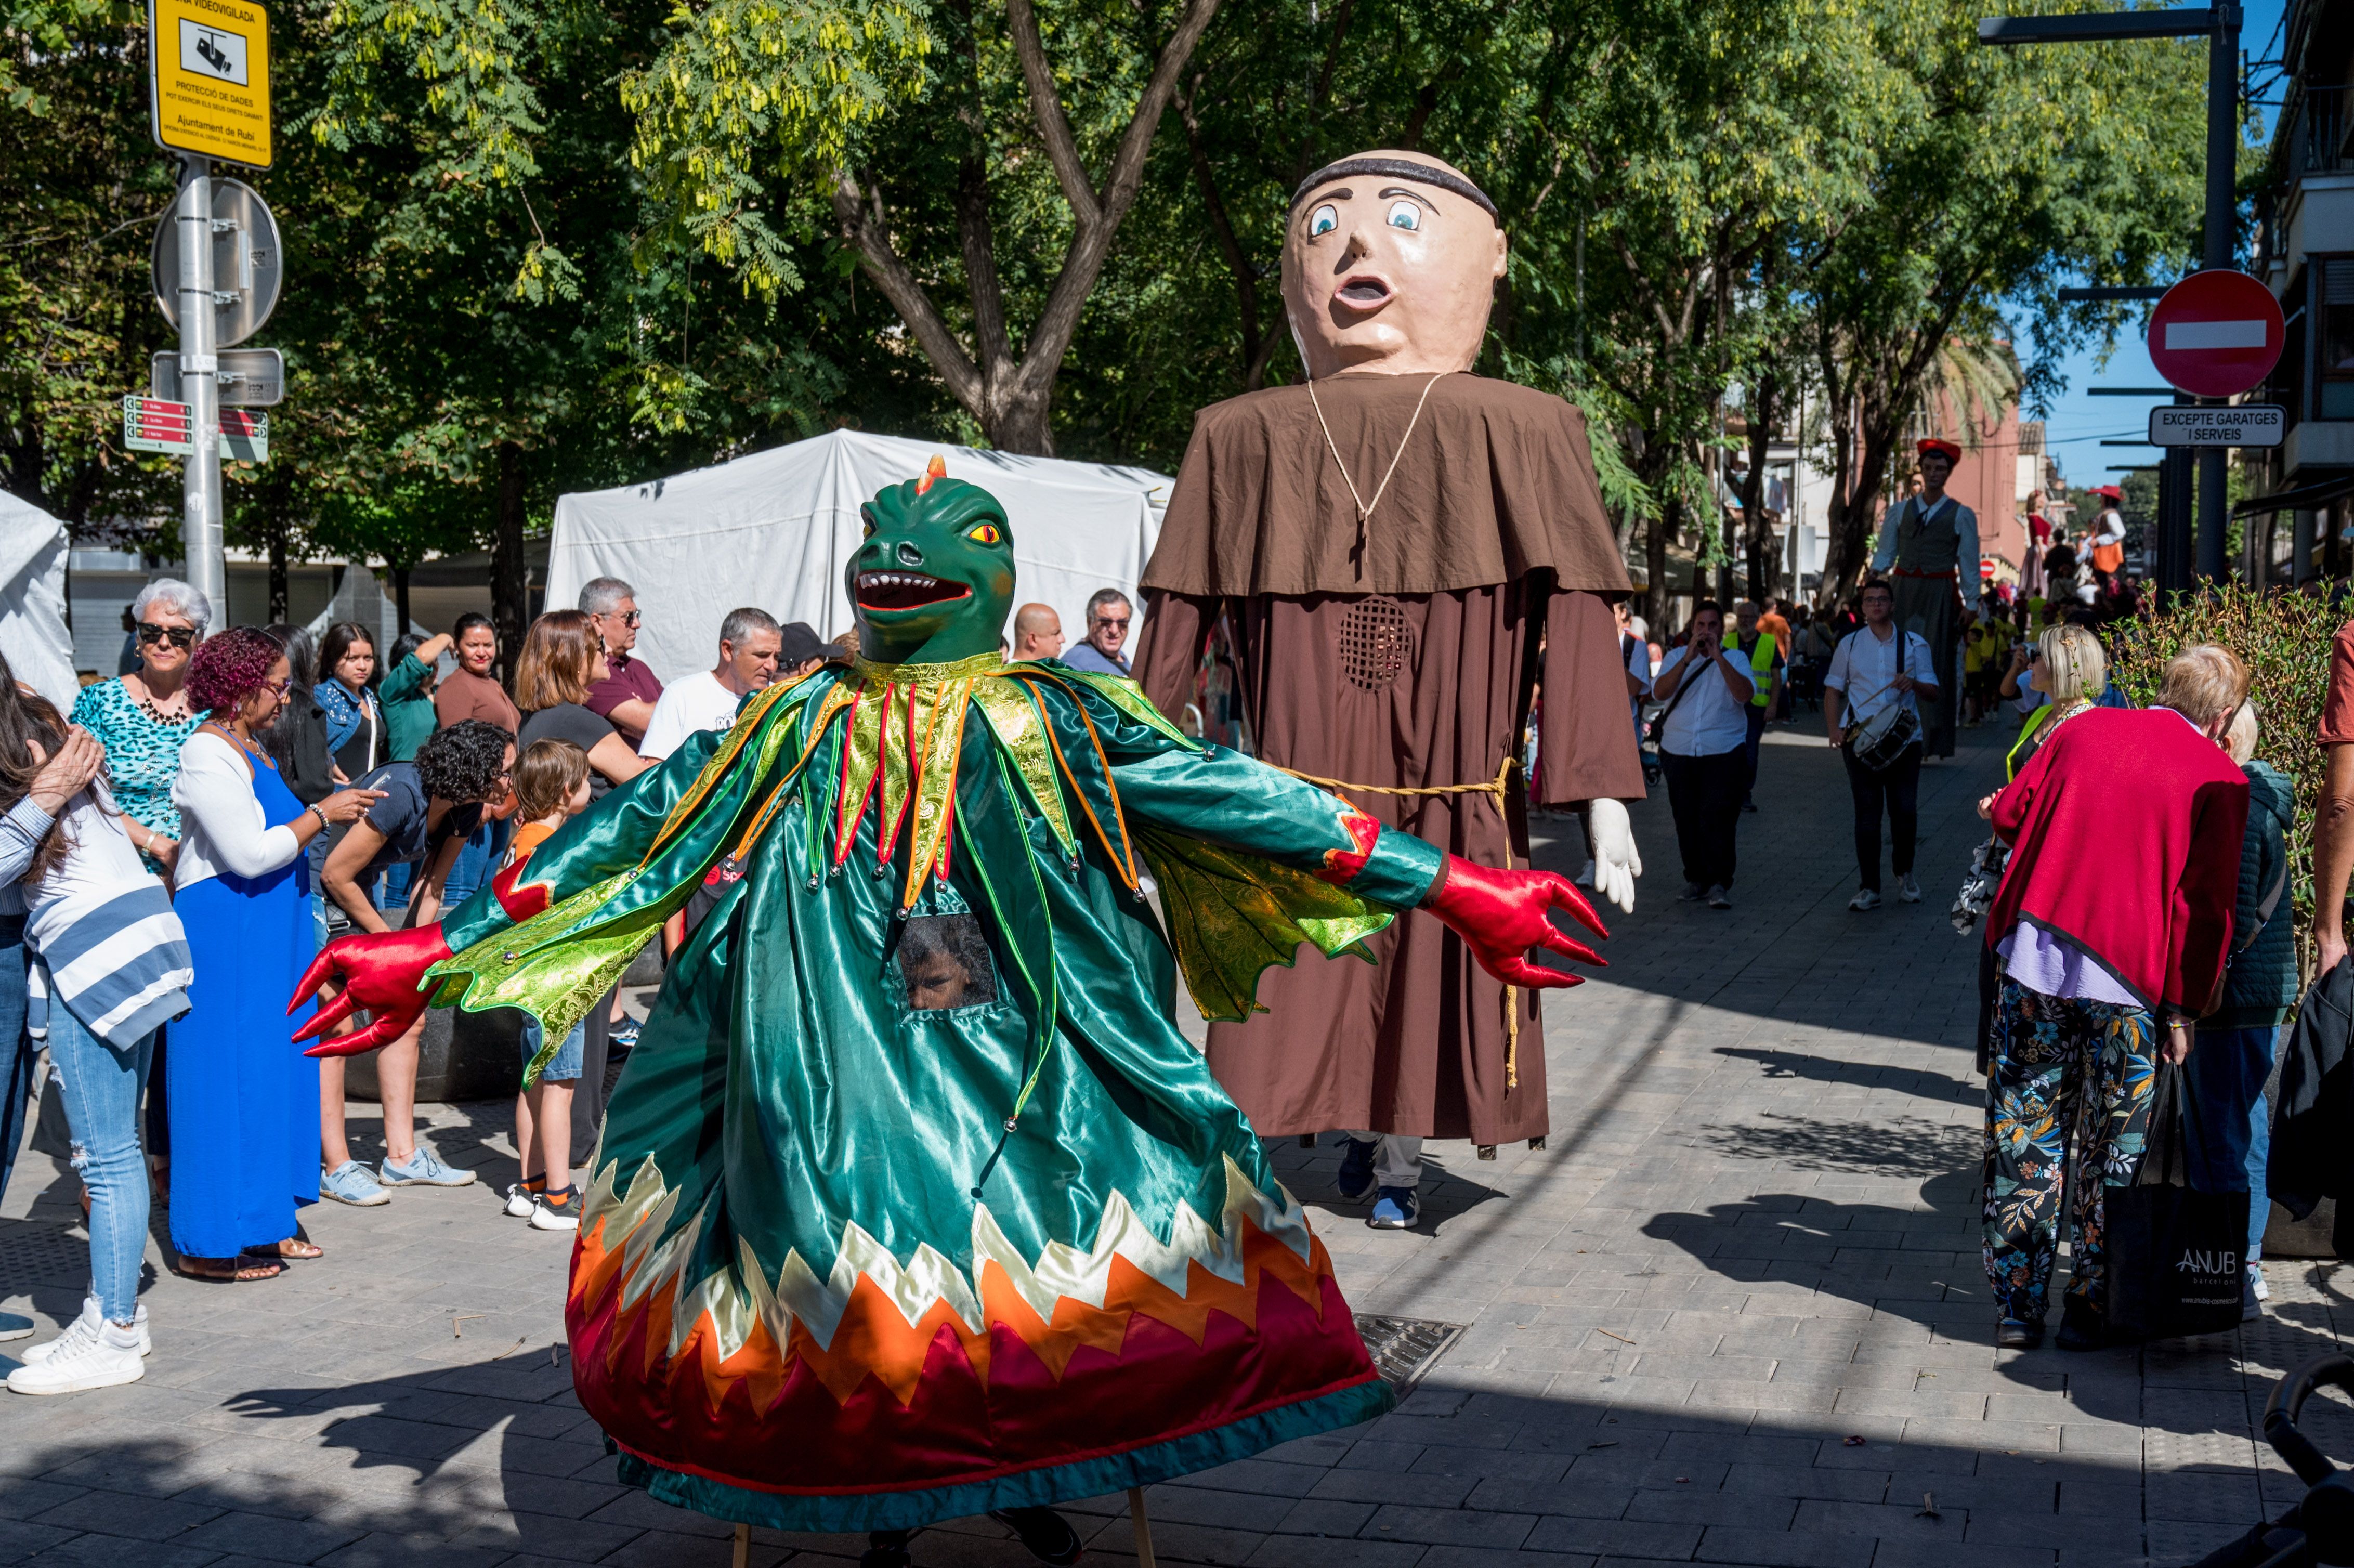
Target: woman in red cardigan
<point x="2113" y="922"/>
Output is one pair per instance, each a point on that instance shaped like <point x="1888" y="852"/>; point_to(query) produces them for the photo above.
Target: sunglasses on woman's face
<point x="177" y="636"/>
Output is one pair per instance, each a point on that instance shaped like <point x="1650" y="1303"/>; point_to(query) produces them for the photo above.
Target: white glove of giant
<point x="1616" y="862"/>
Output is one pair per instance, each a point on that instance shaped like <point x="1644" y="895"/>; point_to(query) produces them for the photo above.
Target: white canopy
<point x="34" y="636"/>
<point x="777" y="529"/>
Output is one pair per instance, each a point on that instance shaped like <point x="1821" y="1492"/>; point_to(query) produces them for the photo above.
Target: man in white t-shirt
<point x="1875" y="669"/>
<point x="1703" y="746"/>
<point x="750" y="644"/>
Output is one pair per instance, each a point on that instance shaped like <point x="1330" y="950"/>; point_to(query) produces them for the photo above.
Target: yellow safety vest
<point x="1761" y="670"/>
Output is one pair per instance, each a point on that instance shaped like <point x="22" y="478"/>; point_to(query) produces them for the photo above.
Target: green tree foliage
<point x="79" y="192"/>
<point x="2284" y="638"/>
<point x="537" y="245"/>
<point x="2001" y="175"/>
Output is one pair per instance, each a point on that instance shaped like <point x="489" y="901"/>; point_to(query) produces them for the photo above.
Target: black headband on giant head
<point x="1398" y="169"/>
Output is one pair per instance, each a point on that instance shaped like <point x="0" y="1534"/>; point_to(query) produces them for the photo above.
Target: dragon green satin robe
<point x="912" y="1202"/>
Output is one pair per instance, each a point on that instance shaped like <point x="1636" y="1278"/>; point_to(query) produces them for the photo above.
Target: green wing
<point x="1230" y="916"/>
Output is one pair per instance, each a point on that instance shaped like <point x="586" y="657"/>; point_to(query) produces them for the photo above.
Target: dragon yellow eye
<point x="987" y="534"/>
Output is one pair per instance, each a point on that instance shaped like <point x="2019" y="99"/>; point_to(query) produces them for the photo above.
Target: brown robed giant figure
<point x="1398" y="554"/>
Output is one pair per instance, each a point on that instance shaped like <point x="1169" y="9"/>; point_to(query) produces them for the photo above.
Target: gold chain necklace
<point x="1365" y="508"/>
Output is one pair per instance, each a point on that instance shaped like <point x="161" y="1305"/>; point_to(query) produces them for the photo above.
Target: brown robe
<point x="1405" y="657"/>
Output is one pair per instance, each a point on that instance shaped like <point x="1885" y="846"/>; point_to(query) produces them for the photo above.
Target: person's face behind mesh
<point x="937" y="981"/>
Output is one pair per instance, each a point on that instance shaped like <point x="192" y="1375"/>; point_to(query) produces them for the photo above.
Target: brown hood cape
<point x="1498" y="483"/>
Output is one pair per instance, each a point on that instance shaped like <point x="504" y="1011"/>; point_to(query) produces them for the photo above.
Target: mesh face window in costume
<point x="913" y="1204"/>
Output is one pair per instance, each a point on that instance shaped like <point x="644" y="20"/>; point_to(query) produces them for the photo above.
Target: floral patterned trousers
<point x="2064" y="1072"/>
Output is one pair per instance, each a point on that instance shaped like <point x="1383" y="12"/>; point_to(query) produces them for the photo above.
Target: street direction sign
<point x="156" y="425"/>
<point x="250" y="377"/>
<point x="248" y="265"/>
<point x="164" y="425"/>
<point x="2240" y="425"/>
<point x="2217" y="333"/>
<point x="244" y="437"/>
<point x="209" y="79"/>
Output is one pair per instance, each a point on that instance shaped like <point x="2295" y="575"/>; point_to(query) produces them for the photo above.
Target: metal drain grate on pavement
<point x="38" y="1255"/>
<point x="1404" y="1348"/>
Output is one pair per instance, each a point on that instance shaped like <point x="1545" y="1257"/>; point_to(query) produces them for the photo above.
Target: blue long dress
<point x="244" y="1106"/>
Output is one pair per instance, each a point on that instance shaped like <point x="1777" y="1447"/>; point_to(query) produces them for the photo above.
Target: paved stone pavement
<point x="1733" y="1314"/>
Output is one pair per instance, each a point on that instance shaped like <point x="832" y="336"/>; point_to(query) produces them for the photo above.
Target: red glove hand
<point x="378" y="971"/>
<point x="1500" y="914"/>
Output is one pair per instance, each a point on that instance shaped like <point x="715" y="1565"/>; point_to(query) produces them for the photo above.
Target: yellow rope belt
<point x="1494" y="790"/>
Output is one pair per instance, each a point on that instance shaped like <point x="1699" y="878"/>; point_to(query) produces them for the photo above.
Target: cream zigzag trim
<point x="739" y="1296"/>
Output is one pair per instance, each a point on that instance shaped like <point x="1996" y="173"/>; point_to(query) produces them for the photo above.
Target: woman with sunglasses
<point x="244" y="897"/>
<point x="144" y="719"/>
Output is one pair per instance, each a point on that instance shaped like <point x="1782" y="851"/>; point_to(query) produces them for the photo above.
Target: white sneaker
<point x="86" y="1327"/>
<point x="105" y="1360"/>
<point x="519" y="1203"/>
<point x="2256" y="1279"/>
<point x="1865" y="898"/>
<point x="543" y="1218"/>
<point x="1907" y="890"/>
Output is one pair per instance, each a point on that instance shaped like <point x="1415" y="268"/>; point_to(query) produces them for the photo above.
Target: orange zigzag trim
<point x="875" y="1339"/>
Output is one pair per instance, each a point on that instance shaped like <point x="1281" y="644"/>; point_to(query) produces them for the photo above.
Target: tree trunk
<point x="1020" y="424"/>
<point x="509" y="604"/>
<point x="1753" y="489"/>
<point x="278" y="594"/>
<point x="1655" y="567"/>
<point x="400" y="599"/>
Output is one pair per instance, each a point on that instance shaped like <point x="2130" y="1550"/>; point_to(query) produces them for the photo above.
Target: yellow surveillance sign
<point x="209" y="79"/>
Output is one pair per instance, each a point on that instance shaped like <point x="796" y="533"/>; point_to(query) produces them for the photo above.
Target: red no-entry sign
<point x="2216" y="333"/>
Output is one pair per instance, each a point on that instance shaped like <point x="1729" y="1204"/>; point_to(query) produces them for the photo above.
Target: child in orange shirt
<point x="551" y="784"/>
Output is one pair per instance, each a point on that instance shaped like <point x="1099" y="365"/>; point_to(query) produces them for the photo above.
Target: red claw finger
<point x="321" y="970"/>
<point x="329" y="1014"/>
<point x="1565" y="896"/>
<point x="1569" y="946"/>
<point x="1536" y="977"/>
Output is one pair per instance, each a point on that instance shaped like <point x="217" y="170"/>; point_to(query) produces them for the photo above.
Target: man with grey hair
<point x="750" y="642"/>
<point x="625" y="698"/>
<point x="1108" y="615"/>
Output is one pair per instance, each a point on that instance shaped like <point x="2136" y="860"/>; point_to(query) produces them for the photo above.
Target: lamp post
<point x="2220" y="25"/>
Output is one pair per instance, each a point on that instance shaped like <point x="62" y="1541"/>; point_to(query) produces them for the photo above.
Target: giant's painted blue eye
<point x="1405" y="215"/>
<point x="1323" y="220"/>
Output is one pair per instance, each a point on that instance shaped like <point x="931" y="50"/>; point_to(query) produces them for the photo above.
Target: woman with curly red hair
<point x="244" y="1111"/>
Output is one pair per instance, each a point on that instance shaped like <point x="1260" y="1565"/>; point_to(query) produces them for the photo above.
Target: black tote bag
<point x="2176" y="1255"/>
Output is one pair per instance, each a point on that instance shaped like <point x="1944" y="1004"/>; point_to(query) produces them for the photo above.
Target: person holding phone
<point x="1703" y="748"/>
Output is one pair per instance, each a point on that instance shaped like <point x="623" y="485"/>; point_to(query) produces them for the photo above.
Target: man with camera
<point x="1703" y="736"/>
<point x="1879" y="735"/>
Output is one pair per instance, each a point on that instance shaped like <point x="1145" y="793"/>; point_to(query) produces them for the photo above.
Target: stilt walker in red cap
<point x="1929" y="551"/>
<point x="2109" y="539"/>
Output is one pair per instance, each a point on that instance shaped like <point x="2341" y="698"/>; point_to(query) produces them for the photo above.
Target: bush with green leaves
<point x="2284" y="640"/>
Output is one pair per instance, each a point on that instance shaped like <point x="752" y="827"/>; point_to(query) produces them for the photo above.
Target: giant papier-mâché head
<point x="933" y="580"/>
<point x="1390" y="263"/>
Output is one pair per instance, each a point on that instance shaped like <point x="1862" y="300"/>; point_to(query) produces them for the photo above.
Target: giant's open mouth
<point x="905" y="591"/>
<point x="1362" y="291"/>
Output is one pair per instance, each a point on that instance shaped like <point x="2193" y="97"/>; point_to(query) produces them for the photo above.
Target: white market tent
<point x="777" y="529"/>
<point x="34" y="636"/>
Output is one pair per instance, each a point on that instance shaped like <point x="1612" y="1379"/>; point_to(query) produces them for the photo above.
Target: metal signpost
<point x="2219" y="25"/>
<point x="208" y="97"/>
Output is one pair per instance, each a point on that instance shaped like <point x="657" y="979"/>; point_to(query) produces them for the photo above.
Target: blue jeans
<point x="102" y="1088"/>
<point x="18" y="1051"/>
<point x="563" y="1067"/>
<point x="475" y="864"/>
